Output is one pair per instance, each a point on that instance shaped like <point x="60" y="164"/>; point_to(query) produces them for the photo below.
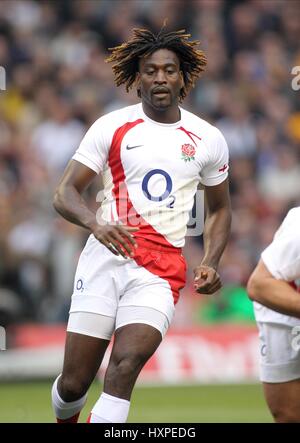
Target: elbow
<point x="253" y="288"/>
<point x="57" y="200"/>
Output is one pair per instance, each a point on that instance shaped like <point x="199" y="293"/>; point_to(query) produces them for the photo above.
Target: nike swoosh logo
<point x="133" y="147"/>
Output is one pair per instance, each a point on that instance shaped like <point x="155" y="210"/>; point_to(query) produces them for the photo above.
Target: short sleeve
<point x="94" y="147"/>
<point x="216" y="169"/>
<point x="282" y="256"/>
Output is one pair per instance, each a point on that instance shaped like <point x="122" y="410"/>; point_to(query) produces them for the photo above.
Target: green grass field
<point x="30" y="403"/>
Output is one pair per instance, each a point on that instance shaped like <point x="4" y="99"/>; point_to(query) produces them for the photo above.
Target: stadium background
<point x="57" y="84"/>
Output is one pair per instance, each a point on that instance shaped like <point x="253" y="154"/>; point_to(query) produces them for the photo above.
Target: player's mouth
<point x="160" y="92"/>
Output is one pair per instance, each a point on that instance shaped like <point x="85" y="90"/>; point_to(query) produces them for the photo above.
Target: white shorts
<point x="106" y="283"/>
<point x="279" y="352"/>
<point x="101" y="326"/>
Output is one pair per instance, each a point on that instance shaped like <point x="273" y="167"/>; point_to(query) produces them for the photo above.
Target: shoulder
<point x="289" y="228"/>
<point x="292" y="218"/>
<point x="288" y="234"/>
<point x="114" y="119"/>
<point x="209" y="133"/>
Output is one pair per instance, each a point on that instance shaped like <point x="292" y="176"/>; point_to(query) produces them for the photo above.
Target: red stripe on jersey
<point x="189" y="134"/>
<point x="127" y="213"/>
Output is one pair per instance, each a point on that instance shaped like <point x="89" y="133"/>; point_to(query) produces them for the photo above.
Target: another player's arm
<point x="275" y="294"/>
<point x="215" y="236"/>
<point x="69" y="203"/>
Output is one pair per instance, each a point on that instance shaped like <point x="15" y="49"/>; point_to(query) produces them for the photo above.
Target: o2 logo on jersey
<point x="167" y="191"/>
<point x="80" y="285"/>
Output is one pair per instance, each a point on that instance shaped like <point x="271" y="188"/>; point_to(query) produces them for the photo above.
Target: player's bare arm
<point x="278" y="295"/>
<point x="69" y="203"/>
<point x="215" y="235"/>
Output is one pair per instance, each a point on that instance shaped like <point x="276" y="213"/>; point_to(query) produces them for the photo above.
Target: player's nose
<point x="160" y="77"/>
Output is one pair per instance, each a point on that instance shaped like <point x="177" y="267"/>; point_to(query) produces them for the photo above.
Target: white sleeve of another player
<point x="282" y="256"/>
<point x="216" y="170"/>
<point x="94" y="147"/>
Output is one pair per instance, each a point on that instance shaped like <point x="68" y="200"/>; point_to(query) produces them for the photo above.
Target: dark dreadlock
<point x="143" y="43"/>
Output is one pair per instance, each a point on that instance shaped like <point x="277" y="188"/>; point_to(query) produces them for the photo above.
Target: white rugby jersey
<point x="151" y="170"/>
<point x="282" y="258"/>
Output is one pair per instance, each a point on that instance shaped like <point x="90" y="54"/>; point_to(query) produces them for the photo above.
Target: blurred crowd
<point x="58" y="84"/>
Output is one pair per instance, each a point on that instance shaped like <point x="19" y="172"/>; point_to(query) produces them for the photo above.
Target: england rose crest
<point x="188" y="152"/>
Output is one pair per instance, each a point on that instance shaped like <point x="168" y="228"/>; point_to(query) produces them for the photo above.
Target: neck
<point x="169" y="115"/>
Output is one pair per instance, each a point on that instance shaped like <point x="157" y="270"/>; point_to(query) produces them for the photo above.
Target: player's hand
<point x="117" y="238"/>
<point x="207" y="280"/>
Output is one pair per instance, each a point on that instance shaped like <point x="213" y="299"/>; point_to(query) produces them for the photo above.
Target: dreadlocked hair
<point x="143" y="43"/>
